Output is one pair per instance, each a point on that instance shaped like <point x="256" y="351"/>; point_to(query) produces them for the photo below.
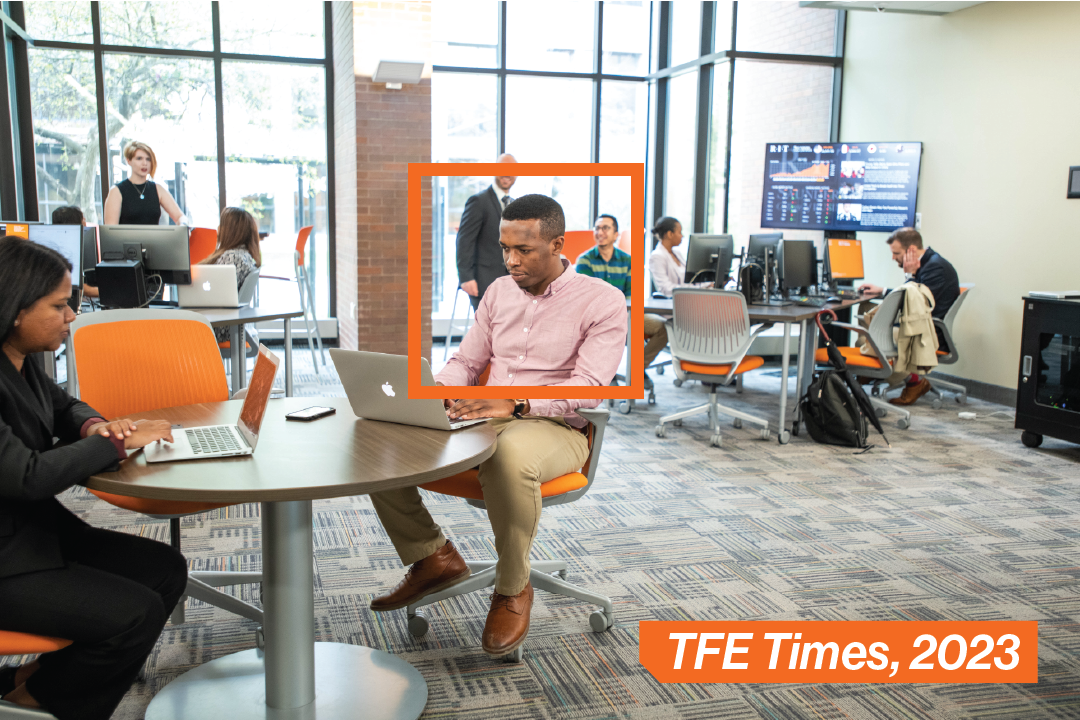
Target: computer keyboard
<point x="817" y="302"/>
<point x="212" y="439"/>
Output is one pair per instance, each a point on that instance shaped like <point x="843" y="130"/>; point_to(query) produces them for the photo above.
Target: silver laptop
<point x="377" y="386"/>
<point x="212" y="441"/>
<point x="212" y="286"/>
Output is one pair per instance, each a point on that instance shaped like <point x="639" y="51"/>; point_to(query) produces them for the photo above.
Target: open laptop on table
<point x="377" y="386"/>
<point x="213" y="441"/>
<point x="212" y="286"/>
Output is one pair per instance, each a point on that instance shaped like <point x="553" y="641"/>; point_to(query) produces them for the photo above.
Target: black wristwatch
<point x="519" y="408"/>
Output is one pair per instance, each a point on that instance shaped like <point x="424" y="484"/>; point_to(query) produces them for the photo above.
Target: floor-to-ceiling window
<point x="231" y="96"/>
<point x="547" y="82"/>
<point x="734" y="76"/>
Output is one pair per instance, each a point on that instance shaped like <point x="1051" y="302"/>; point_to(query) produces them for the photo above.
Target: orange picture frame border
<point x="636" y="173"/>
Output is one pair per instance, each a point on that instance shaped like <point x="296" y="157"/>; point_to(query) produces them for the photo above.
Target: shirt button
<point x="526" y="330"/>
<point x="521" y="357"/>
<point x="534" y="302"/>
<point x="510" y="375"/>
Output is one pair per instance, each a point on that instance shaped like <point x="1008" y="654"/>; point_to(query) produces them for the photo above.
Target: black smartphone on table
<point x="311" y="413"/>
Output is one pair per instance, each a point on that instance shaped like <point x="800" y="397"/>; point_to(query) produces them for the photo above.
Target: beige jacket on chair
<point x="916" y="339"/>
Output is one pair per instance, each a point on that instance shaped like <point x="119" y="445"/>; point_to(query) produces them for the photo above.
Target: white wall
<point x="993" y="94"/>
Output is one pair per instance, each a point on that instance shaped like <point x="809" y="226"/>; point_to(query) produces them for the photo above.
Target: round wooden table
<point x="295" y="463"/>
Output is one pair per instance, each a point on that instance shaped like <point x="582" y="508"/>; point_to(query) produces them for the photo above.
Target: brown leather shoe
<point x="912" y="393"/>
<point x="438" y="571"/>
<point x="507" y="621"/>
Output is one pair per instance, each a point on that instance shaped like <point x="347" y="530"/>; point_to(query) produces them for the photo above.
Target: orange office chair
<point x="576" y="242"/>
<point x="557" y="491"/>
<point x="201" y="244"/>
<point x="170" y="358"/>
<point x="18" y="643"/>
<point x="878" y="366"/>
<point x="307" y="295"/>
<point x="709" y="336"/>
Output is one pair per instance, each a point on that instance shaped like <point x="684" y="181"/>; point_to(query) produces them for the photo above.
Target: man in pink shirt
<point x="543" y="324"/>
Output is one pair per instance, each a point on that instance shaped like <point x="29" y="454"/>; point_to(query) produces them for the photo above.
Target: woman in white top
<point x="666" y="264"/>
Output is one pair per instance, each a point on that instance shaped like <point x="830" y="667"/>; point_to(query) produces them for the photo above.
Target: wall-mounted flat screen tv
<point x="867" y="186"/>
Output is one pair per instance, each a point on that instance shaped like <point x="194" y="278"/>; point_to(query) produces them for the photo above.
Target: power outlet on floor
<point x="352" y="310"/>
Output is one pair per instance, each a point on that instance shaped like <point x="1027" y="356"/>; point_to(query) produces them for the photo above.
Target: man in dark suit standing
<point x="479" y="257"/>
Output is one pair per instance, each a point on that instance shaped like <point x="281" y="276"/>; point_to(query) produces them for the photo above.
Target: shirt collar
<point x="559" y="282"/>
<point x="499" y="192"/>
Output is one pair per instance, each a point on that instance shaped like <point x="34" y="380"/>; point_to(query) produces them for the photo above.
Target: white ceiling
<point x="918" y="7"/>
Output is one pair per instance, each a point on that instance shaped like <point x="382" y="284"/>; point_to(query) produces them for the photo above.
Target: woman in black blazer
<point x="109" y="593"/>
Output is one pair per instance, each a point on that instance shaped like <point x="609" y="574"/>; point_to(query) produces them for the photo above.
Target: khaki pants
<point x="657" y="334"/>
<point x="527" y="453"/>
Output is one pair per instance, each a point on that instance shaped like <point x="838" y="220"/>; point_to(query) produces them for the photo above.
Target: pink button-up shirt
<point x="573" y="334"/>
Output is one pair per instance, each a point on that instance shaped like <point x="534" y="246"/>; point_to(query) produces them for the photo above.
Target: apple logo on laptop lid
<point x="388" y="389"/>
<point x="206" y="286"/>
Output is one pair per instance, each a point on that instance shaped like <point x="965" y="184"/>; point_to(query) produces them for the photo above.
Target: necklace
<point x="143" y="188"/>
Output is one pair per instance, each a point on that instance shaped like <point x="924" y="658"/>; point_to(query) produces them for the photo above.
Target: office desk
<point x="295" y="463"/>
<point x="786" y="315"/>
<point x="233" y="319"/>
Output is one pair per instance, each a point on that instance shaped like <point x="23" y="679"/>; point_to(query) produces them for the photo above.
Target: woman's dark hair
<point x="236" y="229"/>
<point x="542" y="208"/>
<point x="28" y="272"/>
<point x="67" y="215"/>
<point x="664" y="225"/>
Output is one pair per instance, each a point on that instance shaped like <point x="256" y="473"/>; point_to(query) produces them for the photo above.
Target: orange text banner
<point x="841" y="652"/>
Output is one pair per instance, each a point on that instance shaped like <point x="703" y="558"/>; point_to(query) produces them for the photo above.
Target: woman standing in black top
<point x="139" y="200"/>
<point x="110" y="593"/>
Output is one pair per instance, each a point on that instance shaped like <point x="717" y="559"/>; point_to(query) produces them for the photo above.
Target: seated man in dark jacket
<point x="924" y="266"/>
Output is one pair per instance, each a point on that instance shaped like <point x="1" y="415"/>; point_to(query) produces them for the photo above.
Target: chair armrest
<point x="597" y="416"/>
<point x="276" y="277"/>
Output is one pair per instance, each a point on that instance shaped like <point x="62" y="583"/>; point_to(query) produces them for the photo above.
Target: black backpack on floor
<point x="831" y="413"/>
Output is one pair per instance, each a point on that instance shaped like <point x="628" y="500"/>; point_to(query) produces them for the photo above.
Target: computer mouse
<point x="833" y="298"/>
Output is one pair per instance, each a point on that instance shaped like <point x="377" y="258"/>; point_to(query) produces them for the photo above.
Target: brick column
<point x="388" y="129"/>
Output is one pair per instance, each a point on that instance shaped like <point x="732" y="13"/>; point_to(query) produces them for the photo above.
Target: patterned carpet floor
<point x="957" y="521"/>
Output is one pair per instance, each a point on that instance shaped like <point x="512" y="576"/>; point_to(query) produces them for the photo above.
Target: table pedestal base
<point x="350" y="681"/>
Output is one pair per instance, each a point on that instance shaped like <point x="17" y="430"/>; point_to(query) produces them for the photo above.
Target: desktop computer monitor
<point x="844" y="259"/>
<point x="164" y="249"/>
<point x="16" y="228"/>
<point x="64" y="239"/>
<point x="705" y="253"/>
<point x="760" y="242"/>
<point x="89" y="248"/>
<point x="797" y="264"/>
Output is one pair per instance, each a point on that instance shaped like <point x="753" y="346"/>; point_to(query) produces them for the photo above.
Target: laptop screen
<point x="262" y="382"/>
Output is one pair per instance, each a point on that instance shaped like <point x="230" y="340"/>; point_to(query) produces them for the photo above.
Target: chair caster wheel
<point x="599" y="621"/>
<point x="515" y="656"/>
<point x="660" y="370"/>
<point x="624" y="408"/>
<point x="784" y="437"/>
<point x="881" y="412"/>
<point x="561" y="574"/>
<point x="652" y="398"/>
<point x="677" y="423"/>
<point x="716" y="441"/>
<point x="903" y="423"/>
<point x="1030" y="439"/>
<point x="260" y="638"/>
<point x="936" y="404"/>
<point x="418" y="625"/>
<point x="795" y="430"/>
<point x="677" y="383"/>
<point x="961" y="399"/>
<point x="660" y="432"/>
<point x="764" y="433"/>
<point x="736" y="423"/>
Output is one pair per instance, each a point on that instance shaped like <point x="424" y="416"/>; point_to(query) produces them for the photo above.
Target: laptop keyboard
<point x="212" y="440"/>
